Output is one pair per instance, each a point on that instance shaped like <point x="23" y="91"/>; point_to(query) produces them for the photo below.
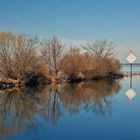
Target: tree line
<point x="26" y="59"/>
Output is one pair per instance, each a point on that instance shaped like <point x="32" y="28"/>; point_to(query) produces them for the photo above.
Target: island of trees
<point x="25" y="60"/>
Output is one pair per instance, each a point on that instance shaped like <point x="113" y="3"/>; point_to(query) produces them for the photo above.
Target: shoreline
<point x="129" y="75"/>
<point x="10" y="83"/>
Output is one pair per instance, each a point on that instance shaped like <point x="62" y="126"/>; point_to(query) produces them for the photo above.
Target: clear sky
<point x="76" y="21"/>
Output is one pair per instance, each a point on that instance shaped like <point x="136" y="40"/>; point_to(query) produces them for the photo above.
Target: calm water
<point x="93" y="110"/>
<point x="136" y="68"/>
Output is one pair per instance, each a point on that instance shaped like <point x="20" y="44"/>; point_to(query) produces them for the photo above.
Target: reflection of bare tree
<point x="102" y="102"/>
<point x="52" y="106"/>
<point x="92" y="96"/>
<point x="21" y="108"/>
<point x="101" y="106"/>
<point x="18" y="109"/>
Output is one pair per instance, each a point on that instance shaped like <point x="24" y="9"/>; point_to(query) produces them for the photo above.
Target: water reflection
<point x="92" y="96"/>
<point x="18" y="108"/>
<point x="130" y="92"/>
<point x="24" y="109"/>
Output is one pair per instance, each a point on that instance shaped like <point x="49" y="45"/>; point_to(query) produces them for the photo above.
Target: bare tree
<point x="102" y="49"/>
<point x="25" y="57"/>
<point x="102" y="53"/>
<point x="53" y="51"/>
<point x="7" y="43"/>
<point x="17" y="55"/>
<point x="19" y="60"/>
<point x="72" y="62"/>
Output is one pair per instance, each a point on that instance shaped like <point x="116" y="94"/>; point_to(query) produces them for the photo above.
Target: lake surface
<point x="100" y="110"/>
<point x="136" y="68"/>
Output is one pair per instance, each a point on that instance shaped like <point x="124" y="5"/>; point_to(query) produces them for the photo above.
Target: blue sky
<point x="76" y="21"/>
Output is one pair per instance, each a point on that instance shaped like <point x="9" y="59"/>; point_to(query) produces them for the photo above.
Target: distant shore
<point x="129" y="75"/>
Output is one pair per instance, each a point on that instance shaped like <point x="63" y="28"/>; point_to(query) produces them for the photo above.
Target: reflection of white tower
<point x="130" y="94"/>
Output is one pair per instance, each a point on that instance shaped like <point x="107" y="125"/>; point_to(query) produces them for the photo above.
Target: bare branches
<point x="71" y="62"/>
<point x="7" y="42"/>
<point x="53" y="51"/>
<point x="102" y="49"/>
<point x="17" y="55"/>
<point x="25" y="58"/>
<point x="19" y="59"/>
